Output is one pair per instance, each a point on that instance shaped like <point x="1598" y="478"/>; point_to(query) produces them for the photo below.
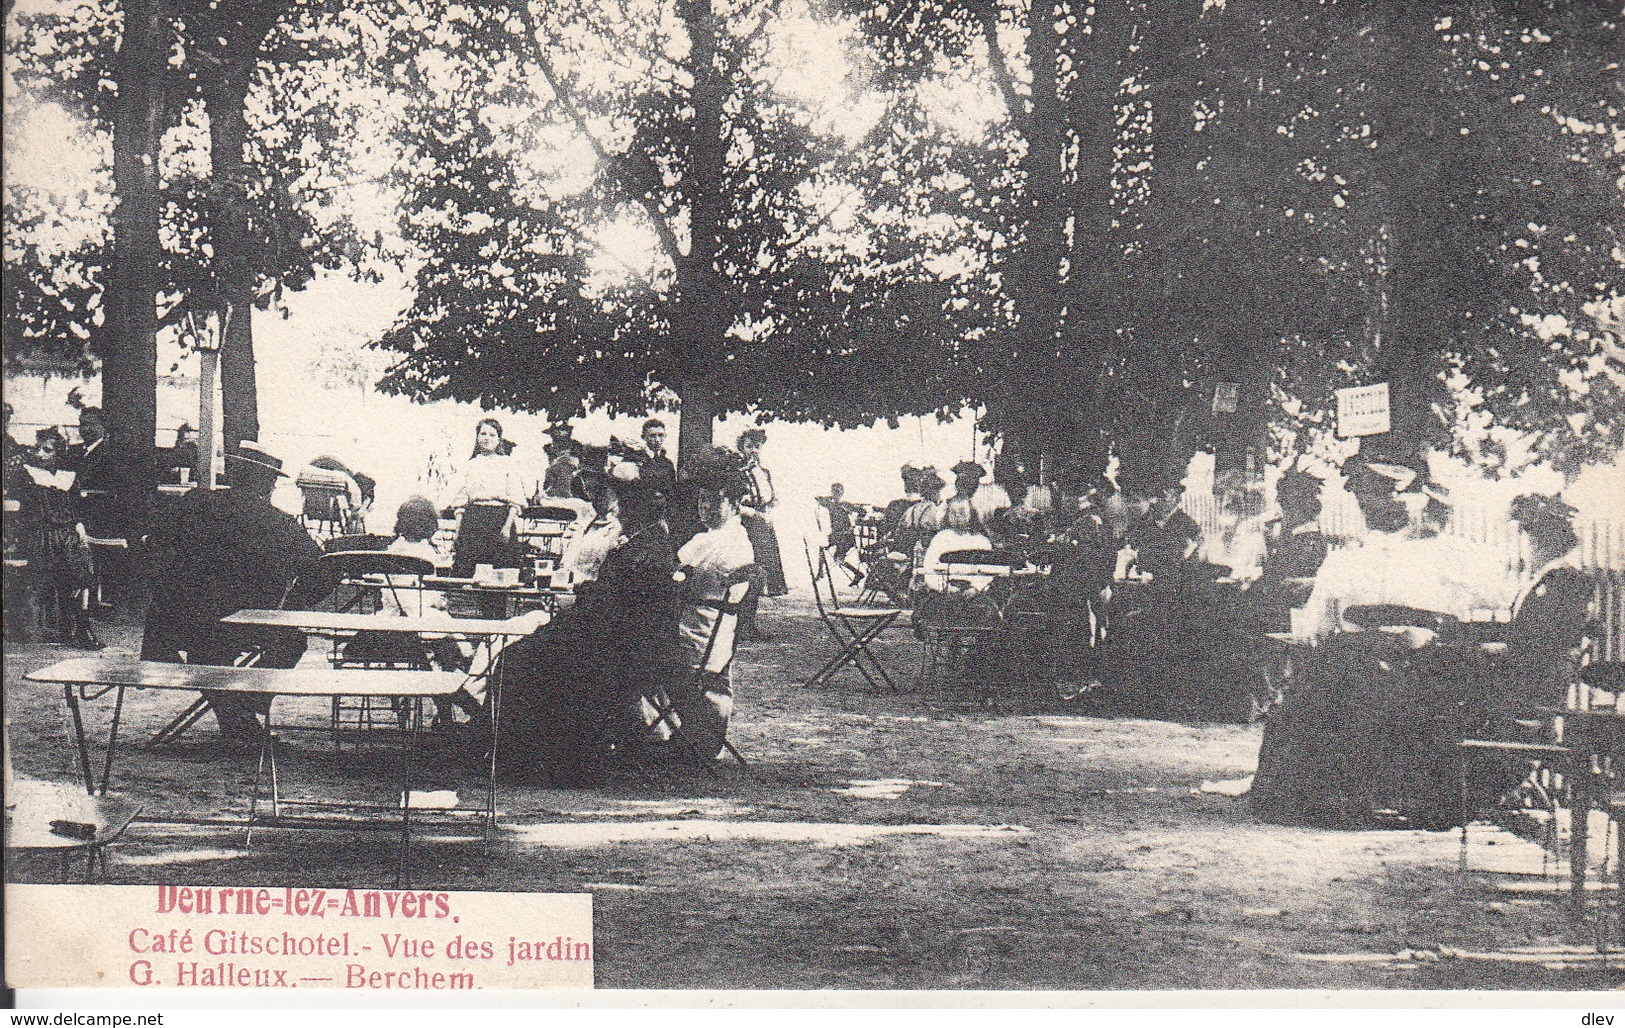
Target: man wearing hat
<point x="967" y="476"/>
<point x="226" y="550"/>
<point x="563" y="463"/>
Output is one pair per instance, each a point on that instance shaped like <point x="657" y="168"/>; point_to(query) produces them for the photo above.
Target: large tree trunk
<point x="1412" y="297"/>
<point x="130" y="355"/>
<point x="235" y="253"/>
<point x="699" y="407"/>
<point x="1025" y="415"/>
<point x="702" y="296"/>
<point x="1096" y="277"/>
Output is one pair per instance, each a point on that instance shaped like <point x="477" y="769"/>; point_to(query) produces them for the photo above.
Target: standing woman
<point x="490" y="496"/>
<point x="758" y="502"/>
<point x="53" y="538"/>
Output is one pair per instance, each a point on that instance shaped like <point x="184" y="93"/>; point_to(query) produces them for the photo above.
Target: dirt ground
<point x="880" y="840"/>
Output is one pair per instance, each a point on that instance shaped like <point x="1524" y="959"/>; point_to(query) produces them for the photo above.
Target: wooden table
<point x="486" y="630"/>
<point x="511" y="595"/>
<point x="91" y="677"/>
<point x="32" y="807"/>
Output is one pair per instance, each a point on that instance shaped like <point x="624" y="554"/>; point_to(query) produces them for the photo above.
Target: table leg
<point x="79" y="737"/>
<point x="493" y="704"/>
<point x="1579" y="824"/>
<point x="409" y="725"/>
<point x="112" y="739"/>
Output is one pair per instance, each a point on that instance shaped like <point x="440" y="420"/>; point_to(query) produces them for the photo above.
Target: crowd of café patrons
<point x="651" y="554"/>
<point x="652" y="550"/>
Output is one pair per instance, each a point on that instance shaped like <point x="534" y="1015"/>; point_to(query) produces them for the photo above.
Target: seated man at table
<point x="224" y="551"/>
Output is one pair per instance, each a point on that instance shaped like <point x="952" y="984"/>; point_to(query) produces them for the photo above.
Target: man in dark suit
<point x="655" y="470"/>
<point x="1552" y="612"/>
<point x="226" y="550"/>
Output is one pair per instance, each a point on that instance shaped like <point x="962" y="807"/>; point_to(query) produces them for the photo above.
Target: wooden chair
<point x="853" y="628"/>
<point x="715" y="667"/>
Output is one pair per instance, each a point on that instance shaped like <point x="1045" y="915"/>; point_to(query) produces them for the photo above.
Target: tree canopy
<point x="1081" y="219"/>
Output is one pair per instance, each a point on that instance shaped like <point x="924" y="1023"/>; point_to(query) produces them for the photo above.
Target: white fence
<point x="1602" y="548"/>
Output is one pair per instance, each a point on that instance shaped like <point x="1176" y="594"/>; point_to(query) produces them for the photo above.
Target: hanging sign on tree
<point x="1362" y="410"/>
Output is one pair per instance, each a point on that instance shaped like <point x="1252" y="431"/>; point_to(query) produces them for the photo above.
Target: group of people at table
<point x="646" y="641"/>
<point x="1129" y="597"/>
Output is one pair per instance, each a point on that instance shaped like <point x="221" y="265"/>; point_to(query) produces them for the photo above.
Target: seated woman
<point x="940" y="597"/>
<point x="1371" y="719"/>
<point x="566" y="685"/>
<point x="1401" y="562"/>
<point x="1294" y="551"/>
<point x="700" y="689"/>
<point x="585" y="550"/>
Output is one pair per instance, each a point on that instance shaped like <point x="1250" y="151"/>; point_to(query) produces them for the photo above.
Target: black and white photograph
<point x="817" y="496"/>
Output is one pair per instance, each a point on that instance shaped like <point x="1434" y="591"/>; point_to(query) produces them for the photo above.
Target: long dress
<point x="1368" y="728"/>
<point x="58" y="559"/>
<point x="489" y="492"/>
<point x="568" y="683"/>
<point x="764" y="541"/>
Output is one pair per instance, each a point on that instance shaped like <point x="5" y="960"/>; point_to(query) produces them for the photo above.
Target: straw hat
<point x="250" y="452"/>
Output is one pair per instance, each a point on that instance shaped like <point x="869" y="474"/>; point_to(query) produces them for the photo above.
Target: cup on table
<point x="186" y="476"/>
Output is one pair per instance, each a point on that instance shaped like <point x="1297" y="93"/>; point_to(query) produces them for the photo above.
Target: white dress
<point x="711" y="557"/>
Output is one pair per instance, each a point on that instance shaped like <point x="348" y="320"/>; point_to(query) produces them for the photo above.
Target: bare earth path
<point x="882" y="841"/>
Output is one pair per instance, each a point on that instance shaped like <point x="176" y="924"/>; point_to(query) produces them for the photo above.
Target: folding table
<point x="33" y="808"/>
<point x="485" y="631"/>
<point x="92" y="677"/>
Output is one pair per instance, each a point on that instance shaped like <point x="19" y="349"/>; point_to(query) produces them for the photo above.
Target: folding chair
<point x="376" y="573"/>
<point x="326" y="507"/>
<point x="963" y="620"/>
<point x="372" y="572"/>
<point x="547" y="527"/>
<point x="714" y="667"/>
<point x="353" y="543"/>
<point x="853" y="628"/>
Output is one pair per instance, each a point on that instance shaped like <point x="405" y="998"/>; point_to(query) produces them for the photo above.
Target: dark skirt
<point x="481" y="539"/>
<point x="58" y="558"/>
<point x="764" y="543"/>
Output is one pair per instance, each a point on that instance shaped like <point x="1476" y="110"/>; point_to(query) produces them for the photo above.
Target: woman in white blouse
<point x="490" y="494"/>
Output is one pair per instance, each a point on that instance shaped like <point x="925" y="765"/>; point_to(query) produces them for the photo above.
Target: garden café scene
<point x="853" y="556"/>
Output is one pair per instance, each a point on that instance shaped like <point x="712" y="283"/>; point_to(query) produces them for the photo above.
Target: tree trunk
<point x="130" y="356"/>
<point x="699" y="408"/>
<point x="1096" y="274"/>
<point x="701" y="294"/>
<point x="1035" y="278"/>
<point x="235" y="252"/>
<point x="1408" y="174"/>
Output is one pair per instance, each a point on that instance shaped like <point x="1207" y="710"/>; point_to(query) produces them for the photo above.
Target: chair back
<point x="353" y="543"/>
<point x="724" y="630"/>
<point x="324" y="502"/>
<point x="818" y="570"/>
<point x="356" y="563"/>
<point x="393" y="571"/>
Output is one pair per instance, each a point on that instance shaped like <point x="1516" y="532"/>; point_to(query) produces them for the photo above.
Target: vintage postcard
<point x="809" y="495"/>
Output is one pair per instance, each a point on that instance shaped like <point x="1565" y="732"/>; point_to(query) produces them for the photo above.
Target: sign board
<point x="1226" y="397"/>
<point x="1362" y="410"/>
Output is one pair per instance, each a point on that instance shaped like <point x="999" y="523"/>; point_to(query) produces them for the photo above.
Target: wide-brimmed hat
<point x="1534" y="508"/>
<point x="250" y="452"/>
<point x="1394" y="477"/>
